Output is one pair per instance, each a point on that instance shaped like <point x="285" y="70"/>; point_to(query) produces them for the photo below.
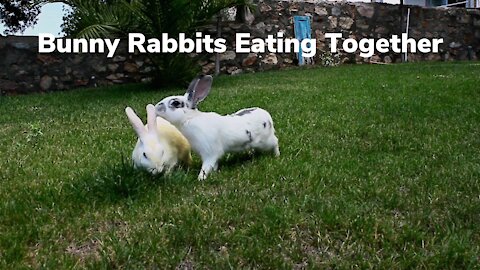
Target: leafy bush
<point x="117" y="18"/>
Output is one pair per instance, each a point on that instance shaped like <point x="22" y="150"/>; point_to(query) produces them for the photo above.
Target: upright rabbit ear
<point x="151" y="118"/>
<point x="191" y="88"/>
<point x="198" y="89"/>
<point x="136" y="122"/>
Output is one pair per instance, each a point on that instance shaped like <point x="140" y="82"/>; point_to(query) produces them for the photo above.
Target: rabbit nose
<point x="161" y="108"/>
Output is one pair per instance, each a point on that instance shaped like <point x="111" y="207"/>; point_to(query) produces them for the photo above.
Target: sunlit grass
<point x="380" y="166"/>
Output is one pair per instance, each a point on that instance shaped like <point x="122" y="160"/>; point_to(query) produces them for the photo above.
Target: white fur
<point x="212" y="135"/>
<point x="160" y="146"/>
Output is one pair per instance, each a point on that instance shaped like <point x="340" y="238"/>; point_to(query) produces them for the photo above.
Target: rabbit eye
<point x="145" y="155"/>
<point x="176" y="104"/>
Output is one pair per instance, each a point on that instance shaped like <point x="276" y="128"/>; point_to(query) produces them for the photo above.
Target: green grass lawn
<point x="380" y="166"/>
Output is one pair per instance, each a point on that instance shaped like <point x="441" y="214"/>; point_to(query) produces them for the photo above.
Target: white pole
<point x="219" y="34"/>
<point x="406" y="30"/>
<point x="455" y="4"/>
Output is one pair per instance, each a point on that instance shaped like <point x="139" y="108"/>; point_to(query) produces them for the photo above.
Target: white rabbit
<point x="212" y="135"/>
<point x="160" y="145"/>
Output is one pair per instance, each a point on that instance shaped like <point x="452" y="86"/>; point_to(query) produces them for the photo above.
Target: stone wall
<point x="459" y="27"/>
<point x="23" y="70"/>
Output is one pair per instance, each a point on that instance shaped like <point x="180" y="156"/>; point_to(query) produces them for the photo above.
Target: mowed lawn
<point x="379" y="167"/>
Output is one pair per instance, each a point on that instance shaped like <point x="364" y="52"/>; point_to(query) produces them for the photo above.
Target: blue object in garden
<point x="302" y="31"/>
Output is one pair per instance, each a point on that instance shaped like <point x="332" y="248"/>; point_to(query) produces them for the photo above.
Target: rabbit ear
<point x="151" y="118"/>
<point x="136" y="122"/>
<point x="198" y="89"/>
<point x="191" y="88"/>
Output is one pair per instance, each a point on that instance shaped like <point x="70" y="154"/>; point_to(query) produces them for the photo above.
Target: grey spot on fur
<point x="161" y="107"/>
<point x="245" y="111"/>
<point x="250" y="139"/>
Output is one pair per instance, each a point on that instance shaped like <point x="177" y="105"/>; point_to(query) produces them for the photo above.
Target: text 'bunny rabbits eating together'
<point x="212" y="135"/>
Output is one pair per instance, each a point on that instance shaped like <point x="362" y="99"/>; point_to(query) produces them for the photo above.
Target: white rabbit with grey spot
<point x="212" y="135"/>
